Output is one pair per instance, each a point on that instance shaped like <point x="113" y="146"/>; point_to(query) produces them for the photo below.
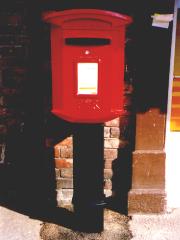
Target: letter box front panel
<point x="87" y="70"/>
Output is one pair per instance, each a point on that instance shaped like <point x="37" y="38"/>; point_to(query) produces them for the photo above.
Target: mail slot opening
<point x="87" y="41"/>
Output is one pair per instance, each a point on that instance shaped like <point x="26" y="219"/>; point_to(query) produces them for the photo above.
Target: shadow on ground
<point x="115" y="227"/>
<point x="60" y="223"/>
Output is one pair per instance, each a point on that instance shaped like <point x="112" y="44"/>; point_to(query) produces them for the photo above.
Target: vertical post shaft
<point x="88" y="176"/>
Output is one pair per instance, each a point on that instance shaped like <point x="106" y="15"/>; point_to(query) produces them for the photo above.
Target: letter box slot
<point x="87" y="41"/>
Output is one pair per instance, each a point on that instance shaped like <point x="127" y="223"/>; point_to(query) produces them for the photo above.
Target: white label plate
<point x="87" y="78"/>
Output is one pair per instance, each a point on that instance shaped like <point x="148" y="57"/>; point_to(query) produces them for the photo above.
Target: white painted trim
<point x="171" y="71"/>
<point x="172" y="142"/>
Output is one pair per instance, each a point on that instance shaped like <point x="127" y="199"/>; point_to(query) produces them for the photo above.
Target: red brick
<point x="4" y="112"/>
<point x="10" y="39"/>
<point x="64" y="196"/>
<point x="66" y="173"/>
<point x="1" y="100"/>
<point x="108" y="164"/>
<point x="66" y="193"/>
<point x="13" y="77"/>
<point x="63" y="163"/>
<point x="115" y="132"/>
<point x="107" y="184"/>
<point x="12" y="20"/>
<point x="108" y="192"/>
<point x="111" y="143"/>
<point x="66" y="142"/>
<point x="106" y="132"/>
<point x="110" y="153"/>
<point x="13" y="51"/>
<point x="108" y="173"/>
<point x="66" y="183"/>
<point x="56" y="152"/>
<point x="9" y="91"/>
<point x="10" y="62"/>
<point x="113" y="123"/>
<point x="66" y="152"/>
<point x="57" y="172"/>
<point x="3" y="129"/>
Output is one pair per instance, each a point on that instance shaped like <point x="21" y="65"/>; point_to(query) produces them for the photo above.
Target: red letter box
<point x="87" y="55"/>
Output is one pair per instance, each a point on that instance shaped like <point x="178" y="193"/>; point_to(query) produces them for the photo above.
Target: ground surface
<point x="156" y="227"/>
<point x="16" y="226"/>
<point x="115" y="227"/>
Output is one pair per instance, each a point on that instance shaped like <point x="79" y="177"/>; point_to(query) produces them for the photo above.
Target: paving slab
<point x="156" y="227"/>
<point x="16" y="226"/>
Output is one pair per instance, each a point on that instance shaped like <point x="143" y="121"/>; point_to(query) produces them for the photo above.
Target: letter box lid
<point x="86" y="19"/>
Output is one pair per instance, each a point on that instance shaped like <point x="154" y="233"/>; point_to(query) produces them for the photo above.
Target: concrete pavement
<point x="16" y="226"/>
<point x="156" y="227"/>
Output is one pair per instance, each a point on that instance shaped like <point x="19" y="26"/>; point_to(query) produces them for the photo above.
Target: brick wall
<point x="14" y="44"/>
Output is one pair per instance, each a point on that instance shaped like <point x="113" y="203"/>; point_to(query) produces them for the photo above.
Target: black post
<point x="88" y="176"/>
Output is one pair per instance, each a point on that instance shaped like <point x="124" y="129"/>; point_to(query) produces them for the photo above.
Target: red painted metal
<point x="88" y="25"/>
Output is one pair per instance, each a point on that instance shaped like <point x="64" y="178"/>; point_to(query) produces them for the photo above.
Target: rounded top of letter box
<point x="86" y="18"/>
